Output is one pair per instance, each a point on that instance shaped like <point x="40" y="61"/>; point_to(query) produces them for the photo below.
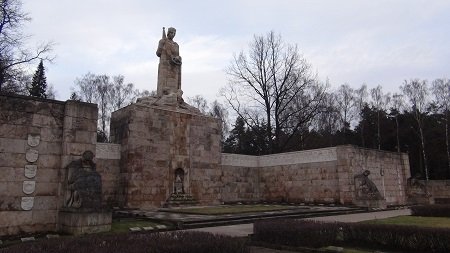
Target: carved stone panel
<point x="29" y="186"/>
<point x="32" y="155"/>
<point x="27" y="203"/>
<point x="34" y="140"/>
<point x="30" y="171"/>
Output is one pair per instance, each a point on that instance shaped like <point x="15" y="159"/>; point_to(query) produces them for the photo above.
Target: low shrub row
<point x="431" y="210"/>
<point x="378" y="236"/>
<point x="173" y="242"/>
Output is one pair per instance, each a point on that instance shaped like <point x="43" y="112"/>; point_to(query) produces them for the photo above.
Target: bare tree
<point x="360" y="96"/>
<point x="327" y="121"/>
<point x="380" y="102"/>
<point x="441" y="92"/>
<point x="104" y="88"/>
<point x="417" y="93"/>
<point x="218" y="111"/>
<point x="345" y="104"/>
<point x="199" y="102"/>
<point x="109" y="93"/>
<point x="121" y="94"/>
<point x="273" y="82"/>
<point x="14" y="54"/>
<point x="397" y="106"/>
<point x="86" y="88"/>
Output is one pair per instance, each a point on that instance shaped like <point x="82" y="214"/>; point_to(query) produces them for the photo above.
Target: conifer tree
<point x="39" y="84"/>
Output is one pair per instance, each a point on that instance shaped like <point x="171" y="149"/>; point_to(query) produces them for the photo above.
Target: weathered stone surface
<point x="108" y="151"/>
<point x="33" y="140"/>
<point x="29" y="186"/>
<point x="171" y="136"/>
<point x="32" y="155"/>
<point x="30" y="171"/>
<point x="84" y="185"/>
<point x="27" y="203"/>
<point x="85" y="222"/>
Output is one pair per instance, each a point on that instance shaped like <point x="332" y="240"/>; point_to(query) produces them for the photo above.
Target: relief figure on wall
<point x="365" y="188"/>
<point x="84" y="185"/>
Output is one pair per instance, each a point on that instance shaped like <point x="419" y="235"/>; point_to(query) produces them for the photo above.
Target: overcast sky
<point x="380" y="42"/>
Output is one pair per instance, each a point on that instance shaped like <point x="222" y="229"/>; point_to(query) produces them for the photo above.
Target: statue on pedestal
<point x="169" y="68"/>
<point x="168" y="92"/>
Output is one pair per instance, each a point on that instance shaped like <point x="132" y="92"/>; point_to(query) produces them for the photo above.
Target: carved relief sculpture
<point x="84" y="185"/>
<point x="365" y="188"/>
<point x="416" y="188"/>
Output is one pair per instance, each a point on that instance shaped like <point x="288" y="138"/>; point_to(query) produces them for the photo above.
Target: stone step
<point x="251" y="219"/>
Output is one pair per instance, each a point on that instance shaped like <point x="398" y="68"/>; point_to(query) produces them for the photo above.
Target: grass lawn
<point x="232" y="209"/>
<point x="435" y="222"/>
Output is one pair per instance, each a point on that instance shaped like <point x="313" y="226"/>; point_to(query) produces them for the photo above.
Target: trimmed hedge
<point x="173" y="242"/>
<point x="300" y="233"/>
<point x="296" y="232"/>
<point x="431" y="210"/>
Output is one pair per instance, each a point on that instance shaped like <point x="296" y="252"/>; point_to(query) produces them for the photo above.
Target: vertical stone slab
<point x="79" y="135"/>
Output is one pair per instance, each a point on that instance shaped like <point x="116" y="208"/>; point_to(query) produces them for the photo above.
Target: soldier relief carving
<point x="365" y="188"/>
<point x="84" y="185"/>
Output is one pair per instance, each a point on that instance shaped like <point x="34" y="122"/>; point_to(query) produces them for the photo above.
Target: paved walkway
<point x="245" y="229"/>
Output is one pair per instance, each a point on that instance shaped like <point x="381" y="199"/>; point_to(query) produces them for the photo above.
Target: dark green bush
<point x="174" y="242"/>
<point x="296" y="232"/>
<point x="396" y="237"/>
<point x="431" y="210"/>
<point x="377" y="236"/>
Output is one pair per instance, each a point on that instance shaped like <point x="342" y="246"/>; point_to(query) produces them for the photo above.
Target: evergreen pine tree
<point x="39" y="84"/>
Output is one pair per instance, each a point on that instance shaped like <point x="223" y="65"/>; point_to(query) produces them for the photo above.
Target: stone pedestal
<point x="77" y="223"/>
<point x="156" y="142"/>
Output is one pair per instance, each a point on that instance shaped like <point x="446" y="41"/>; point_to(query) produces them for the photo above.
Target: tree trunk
<point x="378" y="130"/>
<point x="398" y="137"/>
<point x="446" y="141"/>
<point x="423" y="151"/>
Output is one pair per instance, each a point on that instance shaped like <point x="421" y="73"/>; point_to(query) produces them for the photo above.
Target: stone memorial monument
<point x="417" y="191"/>
<point x="171" y="148"/>
<point x="168" y="90"/>
<point x="83" y="211"/>
<point x="367" y="193"/>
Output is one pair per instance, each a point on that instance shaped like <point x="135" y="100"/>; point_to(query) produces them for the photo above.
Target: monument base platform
<point x="371" y="203"/>
<point x="77" y="223"/>
<point x="180" y="200"/>
<point x="420" y="200"/>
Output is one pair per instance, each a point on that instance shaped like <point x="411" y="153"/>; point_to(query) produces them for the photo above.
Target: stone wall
<point x="155" y="142"/>
<point x="388" y="170"/>
<point x="313" y="176"/>
<point x="37" y="138"/>
<point x="108" y="165"/>
<point x="439" y="190"/>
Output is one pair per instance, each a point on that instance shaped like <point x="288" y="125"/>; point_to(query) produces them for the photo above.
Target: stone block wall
<point x="155" y="142"/>
<point x="313" y="176"/>
<point x="37" y="138"/>
<point x="439" y="190"/>
<point x="108" y="165"/>
<point x="240" y="178"/>
<point x="388" y="170"/>
<point x="304" y="176"/>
